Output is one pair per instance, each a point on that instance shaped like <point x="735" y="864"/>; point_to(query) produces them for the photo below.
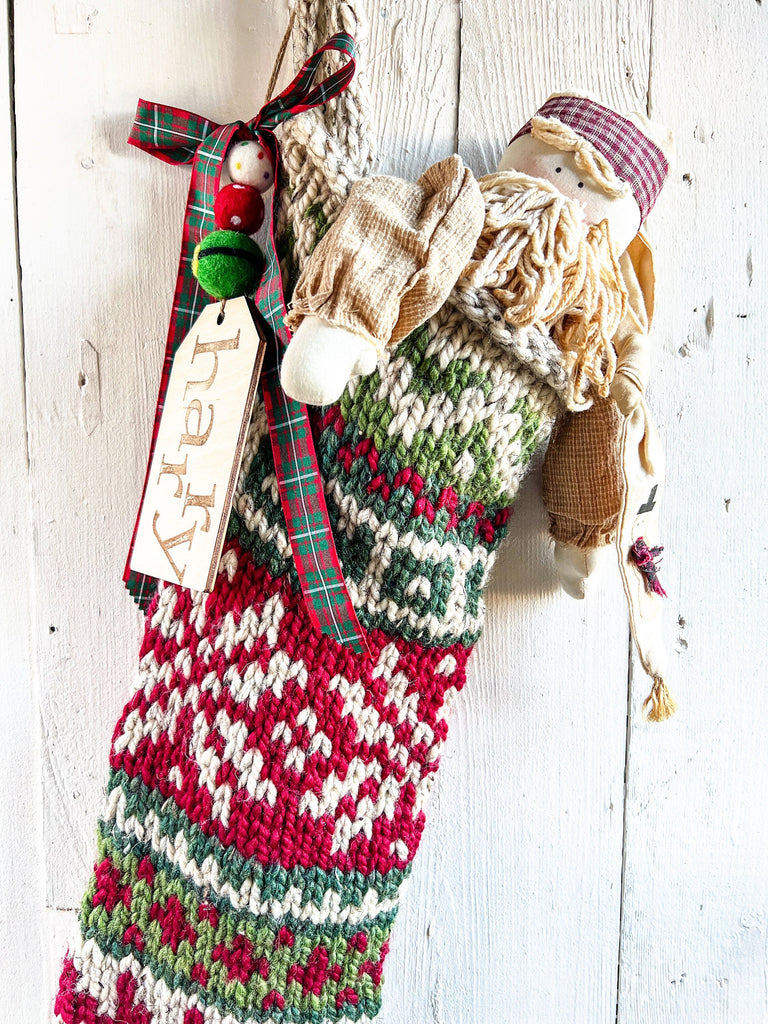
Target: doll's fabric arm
<point x="583" y="486"/>
<point x="393" y="254"/>
<point x="632" y="345"/>
<point x="582" y="476"/>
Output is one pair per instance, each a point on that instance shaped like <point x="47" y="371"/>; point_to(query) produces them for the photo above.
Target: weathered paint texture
<point x="578" y="864"/>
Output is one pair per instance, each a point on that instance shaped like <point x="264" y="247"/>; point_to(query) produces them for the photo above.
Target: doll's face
<point x="535" y="158"/>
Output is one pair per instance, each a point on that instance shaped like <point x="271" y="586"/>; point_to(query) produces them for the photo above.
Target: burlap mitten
<point x="408" y="241"/>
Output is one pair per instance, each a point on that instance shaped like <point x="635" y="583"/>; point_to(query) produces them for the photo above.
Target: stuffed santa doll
<point x="570" y="274"/>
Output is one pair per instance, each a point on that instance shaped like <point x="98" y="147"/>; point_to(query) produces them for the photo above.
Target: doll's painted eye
<point x="558" y="169"/>
<point x="581" y="184"/>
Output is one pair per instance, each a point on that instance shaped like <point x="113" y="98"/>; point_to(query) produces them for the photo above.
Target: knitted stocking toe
<point x="265" y="802"/>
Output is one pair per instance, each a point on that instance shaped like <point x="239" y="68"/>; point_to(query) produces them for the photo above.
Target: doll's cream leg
<point x="575" y="566"/>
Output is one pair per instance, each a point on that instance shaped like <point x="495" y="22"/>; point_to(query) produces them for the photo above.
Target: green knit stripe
<point x="237" y="961"/>
<point x="398" y="507"/>
<point x="528" y="433"/>
<point x="428" y="455"/>
<point x="168" y="882"/>
<point x="271" y="881"/>
<point x="112" y="840"/>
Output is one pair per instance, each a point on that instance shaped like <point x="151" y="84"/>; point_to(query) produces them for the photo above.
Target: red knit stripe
<point x="277" y="831"/>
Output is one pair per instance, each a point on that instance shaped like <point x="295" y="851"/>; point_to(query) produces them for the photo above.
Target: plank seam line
<point x="622" y="894"/>
<point x="624" y="825"/>
<point x="458" y="77"/>
<point x="15" y="206"/>
<point x="35" y="845"/>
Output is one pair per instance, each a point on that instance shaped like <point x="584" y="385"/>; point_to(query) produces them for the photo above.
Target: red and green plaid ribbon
<point x="178" y="136"/>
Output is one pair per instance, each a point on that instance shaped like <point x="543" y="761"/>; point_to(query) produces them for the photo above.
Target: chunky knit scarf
<point x="267" y="787"/>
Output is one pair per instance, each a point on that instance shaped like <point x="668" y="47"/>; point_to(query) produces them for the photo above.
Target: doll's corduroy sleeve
<point x="582" y="478"/>
<point x="394" y="253"/>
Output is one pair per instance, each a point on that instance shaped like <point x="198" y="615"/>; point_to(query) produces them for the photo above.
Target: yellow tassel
<point x="662" y="706"/>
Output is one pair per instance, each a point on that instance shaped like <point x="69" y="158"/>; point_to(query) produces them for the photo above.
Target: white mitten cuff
<point x="321" y="359"/>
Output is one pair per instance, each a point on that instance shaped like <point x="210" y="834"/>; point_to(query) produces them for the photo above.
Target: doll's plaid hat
<point x="634" y="157"/>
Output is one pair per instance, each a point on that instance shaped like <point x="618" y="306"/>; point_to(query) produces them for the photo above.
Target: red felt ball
<point x="239" y="208"/>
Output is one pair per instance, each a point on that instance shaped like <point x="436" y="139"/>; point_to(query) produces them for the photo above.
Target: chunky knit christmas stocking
<point x="267" y="787"/>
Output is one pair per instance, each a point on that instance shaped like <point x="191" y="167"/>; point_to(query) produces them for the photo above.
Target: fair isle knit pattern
<point x="267" y="790"/>
<point x="266" y="798"/>
<point x="422" y="460"/>
<point x="267" y="787"/>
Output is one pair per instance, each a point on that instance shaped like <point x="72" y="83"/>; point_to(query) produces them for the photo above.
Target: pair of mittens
<point x="389" y="263"/>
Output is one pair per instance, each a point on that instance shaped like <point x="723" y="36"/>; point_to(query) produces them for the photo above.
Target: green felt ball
<point x="227" y="264"/>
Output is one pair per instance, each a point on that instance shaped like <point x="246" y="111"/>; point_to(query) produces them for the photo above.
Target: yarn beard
<point x="549" y="269"/>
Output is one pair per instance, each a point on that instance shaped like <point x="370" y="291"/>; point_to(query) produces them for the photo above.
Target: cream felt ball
<point x="249" y="163"/>
<point x="239" y="208"/>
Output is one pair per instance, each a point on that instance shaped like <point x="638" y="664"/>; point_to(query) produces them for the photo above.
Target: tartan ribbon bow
<point x="179" y="136"/>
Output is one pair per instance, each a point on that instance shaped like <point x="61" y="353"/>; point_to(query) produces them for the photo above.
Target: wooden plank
<point x="539" y="880"/>
<point x="414" y="89"/>
<point x="514" y="908"/>
<point x="22" y="994"/>
<point x="100" y="230"/>
<point x="413" y="68"/>
<point x="696" y="894"/>
<point x="514" y="56"/>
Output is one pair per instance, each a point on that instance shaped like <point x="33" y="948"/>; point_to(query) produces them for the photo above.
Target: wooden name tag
<point x="207" y="408"/>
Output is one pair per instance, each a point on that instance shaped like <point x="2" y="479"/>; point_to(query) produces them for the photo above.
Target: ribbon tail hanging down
<point x="179" y="136"/>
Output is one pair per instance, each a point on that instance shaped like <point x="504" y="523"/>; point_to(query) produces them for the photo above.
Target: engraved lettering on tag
<point x="177" y="469"/>
<point x="195" y="406"/>
<point x="200" y="439"/>
<point x="172" y="542"/>
<point x="213" y="347"/>
<point x="203" y="501"/>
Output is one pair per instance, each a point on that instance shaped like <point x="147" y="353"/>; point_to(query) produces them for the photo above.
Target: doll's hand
<point x="576" y="565"/>
<point x="320" y="360"/>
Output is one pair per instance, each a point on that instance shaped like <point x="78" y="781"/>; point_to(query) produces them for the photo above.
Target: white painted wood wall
<point x="579" y="866"/>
